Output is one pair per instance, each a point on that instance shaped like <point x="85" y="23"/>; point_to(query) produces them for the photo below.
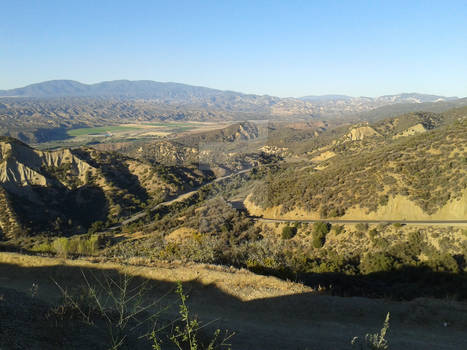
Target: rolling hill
<point x="65" y="191"/>
<point x="225" y="150"/>
<point x="410" y="167"/>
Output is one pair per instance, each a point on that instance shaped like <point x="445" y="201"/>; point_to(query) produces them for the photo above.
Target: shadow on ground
<point x="405" y="283"/>
<point x="301" y="321"/>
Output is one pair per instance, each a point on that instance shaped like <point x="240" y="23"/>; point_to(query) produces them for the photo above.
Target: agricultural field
<point x="105" y="130"/>
<point x="128" y="133"/>
<point x="142" y="129"/>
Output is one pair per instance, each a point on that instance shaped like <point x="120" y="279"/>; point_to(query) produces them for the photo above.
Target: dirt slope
<point x="265" y="313"/>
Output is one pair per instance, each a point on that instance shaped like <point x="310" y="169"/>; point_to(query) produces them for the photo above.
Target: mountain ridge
<point x="139" y="88"/>
<point x="60" y="105"/>
<point x="67" y="87"/>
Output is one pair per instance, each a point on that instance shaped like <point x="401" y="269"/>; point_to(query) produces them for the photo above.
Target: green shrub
<point x="75" y="245"/>
<point x="338" y="229"/>
<point x="61" y="246"/>
<point x="288" y="232"/>
<point x="444" y="263"/>
<point x="43" y="248"/>
<point x="373" y="233"/>
<point x="96" y="227"/>
<point x="320" y="230"/>
<point x="382" y="226"/>
<point x="88" y="246"/>
<point x="318" y="240"/>
<point x="362" y="227"/>
<point x="376" y="262"/>
<point x="383" y="200"/>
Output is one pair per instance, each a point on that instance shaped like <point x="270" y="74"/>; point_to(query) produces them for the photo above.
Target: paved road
<point x="186" y="195"/>
<point x="179" y="198"/>
<point x="337" y="221"/>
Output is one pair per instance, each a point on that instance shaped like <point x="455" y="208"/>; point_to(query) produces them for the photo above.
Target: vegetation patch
<point x="99" y="130"/>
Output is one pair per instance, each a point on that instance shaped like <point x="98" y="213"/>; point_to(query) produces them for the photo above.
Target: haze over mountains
<point x="183" y="93"/>
<point x="44" y="111"/>
<point x="397" y="98"/>
<point x="116" y="88"/>
<point x="165" y="93"/>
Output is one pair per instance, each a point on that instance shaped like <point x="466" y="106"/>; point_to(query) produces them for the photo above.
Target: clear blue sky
<point x="283" y="48"/>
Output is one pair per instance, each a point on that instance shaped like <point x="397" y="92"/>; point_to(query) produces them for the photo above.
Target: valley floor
<point x="264" y="312"/>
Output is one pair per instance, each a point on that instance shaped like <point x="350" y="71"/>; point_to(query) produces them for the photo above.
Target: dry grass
<point x="238" y="283"/>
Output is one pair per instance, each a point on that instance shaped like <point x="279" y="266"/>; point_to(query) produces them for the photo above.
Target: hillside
<point x="393" y="110"/>
<point x="243" y="131"/>
<point x="35" y="120"/>
<point x="373" y="108"/>
<point x="417" y="159"/>
<point x="80" y="104"/>
<point x="409" y="167"/>
<point x="260" y="309"/>
<point x="65" y="191"/>
<point x="45" y="119"/>
<point x="225" y="150"/>
<point x="412" y="167"/>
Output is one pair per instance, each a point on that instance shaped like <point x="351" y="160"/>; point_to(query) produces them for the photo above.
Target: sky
<point x="281" y="48"/>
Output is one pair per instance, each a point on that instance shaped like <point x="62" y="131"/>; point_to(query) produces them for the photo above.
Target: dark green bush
<point x="362" y="227"/>
<point x="377" y="262"/>
<point x="320" y="230"/>
<point x="96" y="227"/>
<point x="288" y="232"/>
<point x="338" y="229"/>
<point x="373" y="233"/>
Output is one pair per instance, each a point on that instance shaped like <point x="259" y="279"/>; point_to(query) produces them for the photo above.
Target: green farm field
<point x="115" y="129"/>
<point x="129" y="132"/>
<point x="99" y="130"/>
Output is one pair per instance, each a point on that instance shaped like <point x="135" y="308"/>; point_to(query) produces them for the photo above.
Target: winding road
<point x="178" y="198"/>
<point x="187" y="195"/>
<point x="332" y="221"/>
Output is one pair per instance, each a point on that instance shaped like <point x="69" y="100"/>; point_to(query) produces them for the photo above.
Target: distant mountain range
<point x="386" y="99"/>
<point x="343" y="106"/>
<point x="182" y="93"/>
<point x="166" y="94"/>
<point x="324" y="98"/>
<point x="377" y="101"/>
<point x="59" y="105"/>
<point x="117" y="88"/>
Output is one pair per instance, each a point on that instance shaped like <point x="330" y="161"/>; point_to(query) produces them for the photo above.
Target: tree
<point x="320" y="230"/>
